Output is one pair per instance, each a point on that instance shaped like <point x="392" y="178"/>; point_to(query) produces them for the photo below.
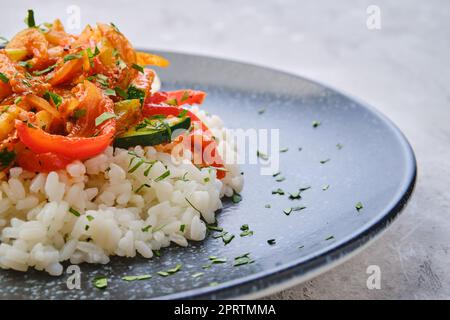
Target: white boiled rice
<point x="38" y="212"/>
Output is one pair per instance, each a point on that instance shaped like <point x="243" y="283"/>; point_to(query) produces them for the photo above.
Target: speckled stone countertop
<point x="402" y="69"/>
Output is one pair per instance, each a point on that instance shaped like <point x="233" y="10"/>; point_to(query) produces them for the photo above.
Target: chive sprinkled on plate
<point x="330" y="238"/>
<point x="271" y="242"/>
<point x="268" y="206"/>
<point x="359" y="206"/>
<point x="262" y="110"/>
<point x="280" y="179"/>
<point x="316" y="123"/>
<point x="339" y="146"/>
<point x="278" y="191"/>
<point x="245" y="231"/>
<point x="261" y="155"/>
<point x="137" y="278"/>
<point x="287" y="211"/>
<point x="324" y="161"/>
<point x="170" y="271"/>
<point x="282" y="150"/>
<point x="197" y="274"/>
<point x="242" y="260"/>
<point x="325" y="187"/>
<point x="100" y="282"/>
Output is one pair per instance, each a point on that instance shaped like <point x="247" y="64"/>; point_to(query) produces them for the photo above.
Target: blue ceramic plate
<point x="356" y="154"/>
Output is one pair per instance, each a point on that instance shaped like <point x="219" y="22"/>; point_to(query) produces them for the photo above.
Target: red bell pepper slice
<point x="81" y="148"/>
<point x="177" y="98"/>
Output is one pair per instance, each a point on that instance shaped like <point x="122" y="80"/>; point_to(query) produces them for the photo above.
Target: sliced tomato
<point x="199" y="140"/>
<point x="177" y="98"/>
<point x="43" y="162"/>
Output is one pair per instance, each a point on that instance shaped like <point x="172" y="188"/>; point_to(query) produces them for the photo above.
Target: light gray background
<point x="402" y="69"/>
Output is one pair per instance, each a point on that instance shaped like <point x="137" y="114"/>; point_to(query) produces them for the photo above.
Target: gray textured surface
<point x="401" y="69"/>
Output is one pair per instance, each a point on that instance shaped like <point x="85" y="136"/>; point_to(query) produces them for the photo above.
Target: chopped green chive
<point x="146" y="228"/>
<point x="138" y="67"/>
<point x="104" y="117"/>
<point x="170" y="271"/>
<point x="110" y="92"/>
<point x="287" y="211"/>
<point x="271" y="241"/>
<point x="329" y="238"/>
<point x="339" y="146"/>
<point x="216" y="260"/>
<point x="236" y="197"/>
<point x="77" y="114"/>
<point x="284" y="150"/>
<point x="267" y="206"/>
<point x="261" y="111"/>
<point x="100" y="282"/>
<point x="53" y="97"/>
<point x="325" y="187"/>
<point x="242" y="260"/>
<point x="214" y="228"/>
<point x="4" y="78"/>
<point x="316" y="123"/>
<point x="74" y="212"/>
<point x="359" y="206"/>
<point x="182" y="227"/>
<point x="262" y="155"/>
<point x="278" y="191"/>
<point x="29" y="20"/>
<point x="227" y="238"/>
<point x="324" y="161"/>
<point x="163" y="176"/>
<point x="44" y="71"/>
<point x="197" y="274"/>
<point x="280" y="179"/>
<point x="137" y="278"/>
<point x="72" y="56"/>
<point x="89" y="218"/>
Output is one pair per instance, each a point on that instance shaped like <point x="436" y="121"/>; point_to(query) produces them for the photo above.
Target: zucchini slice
<point x="150" y="132"/>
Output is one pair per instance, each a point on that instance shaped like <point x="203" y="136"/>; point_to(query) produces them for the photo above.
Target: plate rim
<point x="296" y="272"/>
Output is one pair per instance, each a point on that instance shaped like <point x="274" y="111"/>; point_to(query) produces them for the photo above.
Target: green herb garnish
<point x="74" y="212"/>
<point x="284" y="150"/>
<point x="163" y="176"/>
<point x="170" y="271"/>
<point x="243" y="259"/>
<point x="72" y="56"/>
<point x="100" y="282"/>
<point x="29" y="20"/>
<point x="53" y="97"/>
<point x="278" y="191"/>
<point x="316" y="123"/>
<point x="78" y="113"/>
<point x="182" y="227"/>
<point x="325" y="187"/>
<point x="6" y="158"/>
<point x="44" y="71"/>
<point x="271" y="241"/>
<point x="4" y="78"/>
<point x="236" y="197"/>
<point x="262" y="155"/>
<point x="138" y="67"/>
<point x="137" y="278"/>
<point x="110" y="92"/>
<point x="324" y="161"/>
<point x="104" y="117"/>
<point x="359" y="206"/>
<point x="287" y="211"/>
